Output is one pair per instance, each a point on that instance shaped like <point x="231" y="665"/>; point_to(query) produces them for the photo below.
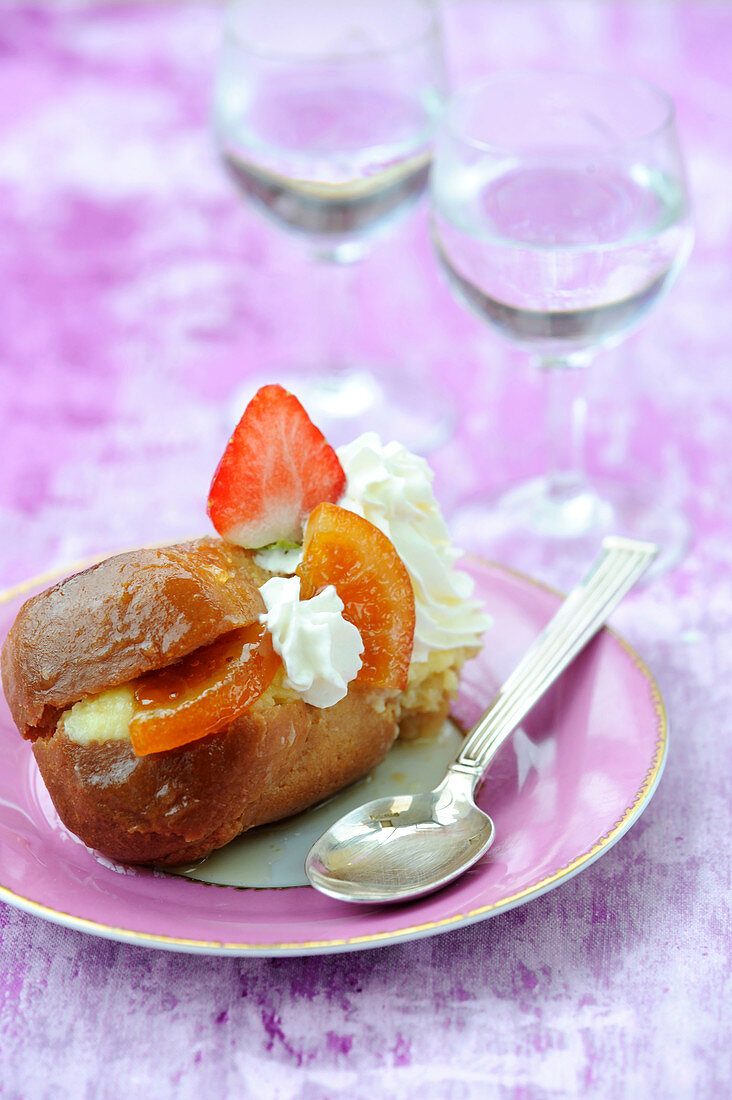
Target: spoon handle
<point x="619" y="566"/>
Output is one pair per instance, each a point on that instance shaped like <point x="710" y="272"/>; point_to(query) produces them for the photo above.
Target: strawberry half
<point x="276" y="468"/>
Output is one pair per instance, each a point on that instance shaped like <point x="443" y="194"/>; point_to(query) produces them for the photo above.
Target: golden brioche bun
<point x="130" y="614"/>
<point x="145" y="610"/>
<point x="275" y="760"/>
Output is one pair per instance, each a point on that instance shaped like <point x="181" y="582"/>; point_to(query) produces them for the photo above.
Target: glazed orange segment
<point x="203" y="692"/>
<point x="345" y="550"/>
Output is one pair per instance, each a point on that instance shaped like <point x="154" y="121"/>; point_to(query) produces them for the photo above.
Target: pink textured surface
<point x="137" y="292"/>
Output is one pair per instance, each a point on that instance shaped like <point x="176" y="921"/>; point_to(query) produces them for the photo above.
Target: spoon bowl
<point x="402" y="847"/>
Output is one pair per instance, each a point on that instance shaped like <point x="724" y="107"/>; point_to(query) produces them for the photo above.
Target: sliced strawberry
<point x="276" y="468"/>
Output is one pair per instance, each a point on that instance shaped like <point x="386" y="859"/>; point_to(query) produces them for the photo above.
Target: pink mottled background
<point x="137" y="292"/>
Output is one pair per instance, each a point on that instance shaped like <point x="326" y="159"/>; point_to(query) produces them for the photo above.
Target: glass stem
<point x="566" y="415"/>
<point x="344" y="391"/>
<point x="335" y="305"/>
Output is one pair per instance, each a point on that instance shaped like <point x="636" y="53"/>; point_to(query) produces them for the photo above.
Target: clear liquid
<point x="345" y="210"/>
<point x="561" y="260"/>
<point x="325" y="156"/>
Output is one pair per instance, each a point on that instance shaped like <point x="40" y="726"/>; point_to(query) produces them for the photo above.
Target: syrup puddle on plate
<point x="274" y="855"/>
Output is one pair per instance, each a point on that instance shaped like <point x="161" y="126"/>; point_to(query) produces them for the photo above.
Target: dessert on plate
<point x="177" y="696"/>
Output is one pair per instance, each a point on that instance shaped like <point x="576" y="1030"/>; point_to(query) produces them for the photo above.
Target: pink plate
<point x="578" y="774"/>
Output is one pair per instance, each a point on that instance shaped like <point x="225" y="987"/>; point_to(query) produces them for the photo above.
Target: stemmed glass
<point x="325" y="114"/>
<point x="560" y="215"/>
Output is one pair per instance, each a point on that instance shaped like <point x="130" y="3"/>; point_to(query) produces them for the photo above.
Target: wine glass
<point x="325" y="114"/>
<point x="560" y="214"/>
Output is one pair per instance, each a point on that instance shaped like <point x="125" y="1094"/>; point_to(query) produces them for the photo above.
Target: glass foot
<point x="554" y="536"/>
<point x="345" y="404"/>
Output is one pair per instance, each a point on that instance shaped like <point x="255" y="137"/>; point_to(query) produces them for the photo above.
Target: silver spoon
<point x="405" y="846"/>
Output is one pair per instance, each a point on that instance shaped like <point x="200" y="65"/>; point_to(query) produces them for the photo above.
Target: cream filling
<point x="107" y="716"/>
<point x="103" y="717"/>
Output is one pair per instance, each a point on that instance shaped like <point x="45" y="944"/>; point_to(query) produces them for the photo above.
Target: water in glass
<point x="560" y="258"/>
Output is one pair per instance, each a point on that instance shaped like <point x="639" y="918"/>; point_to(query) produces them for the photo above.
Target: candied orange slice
<point x="203" y="692"/>
<point x="345" y="550"/>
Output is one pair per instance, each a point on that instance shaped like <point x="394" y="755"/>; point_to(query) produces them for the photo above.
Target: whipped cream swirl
<point x="321" y="651"/>
<point x="392" y="488"/>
